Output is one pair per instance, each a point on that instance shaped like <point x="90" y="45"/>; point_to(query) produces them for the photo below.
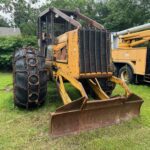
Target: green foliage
<point x="25" y="17"/>
<point x="124" y="14"/>
<point x="28" y="28"/>
<point x="9" y="44"/>
<point x="3" y="23"/>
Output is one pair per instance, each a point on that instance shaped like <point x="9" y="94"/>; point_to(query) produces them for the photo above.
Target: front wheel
<point x="126" y="74"/>
<point x="29" y="78"/>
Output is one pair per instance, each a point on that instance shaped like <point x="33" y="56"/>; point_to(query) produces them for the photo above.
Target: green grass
<point x="21" y="129"/>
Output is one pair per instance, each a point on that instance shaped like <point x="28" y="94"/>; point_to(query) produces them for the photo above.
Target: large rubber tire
<point x="30" y="78"/>
<point x="126" y="74"/>
<point x="87" y="87"/>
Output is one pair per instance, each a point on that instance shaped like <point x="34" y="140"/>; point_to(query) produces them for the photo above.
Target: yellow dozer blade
<point x="84" y="114"/>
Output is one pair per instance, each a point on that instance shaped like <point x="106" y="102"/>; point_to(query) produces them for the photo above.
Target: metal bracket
<point x="59" y="81"/>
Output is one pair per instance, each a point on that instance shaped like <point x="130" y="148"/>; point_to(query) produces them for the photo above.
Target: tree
<point x="144" y="6"/>
<point x="25" y="17"/>
<point x="126" y="13"/>
<point x="102" y="12"/>
<point x="3" y="22"/>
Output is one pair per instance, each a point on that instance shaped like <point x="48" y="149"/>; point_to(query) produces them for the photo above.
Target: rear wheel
<point x="30" y="78"/>
<point x="105" y="84"/>
<point x="126" y="74"/>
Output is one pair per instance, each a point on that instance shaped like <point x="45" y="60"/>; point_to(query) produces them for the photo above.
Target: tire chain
<point x="32" y="70"/>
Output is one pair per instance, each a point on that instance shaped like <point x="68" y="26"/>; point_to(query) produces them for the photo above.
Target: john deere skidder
<point x="73" y="48"/>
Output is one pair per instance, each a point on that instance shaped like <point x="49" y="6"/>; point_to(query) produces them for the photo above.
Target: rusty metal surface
<point x="66" y="13"/>
<point x="66" y="17"/>
<point x="95" y="75"/>
<point x="77" y="104"/>
<point x="62" y="15"/>
<point x="89" y="20"/>
<point x="95" y="114"/>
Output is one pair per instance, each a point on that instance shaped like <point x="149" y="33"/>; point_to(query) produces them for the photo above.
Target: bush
<point x="9" y="44"/>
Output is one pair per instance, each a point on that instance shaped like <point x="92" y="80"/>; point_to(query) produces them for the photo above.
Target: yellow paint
<point x="135" y="57"/>
<point x="60" y="75"/>
<point x="129" y="51"/>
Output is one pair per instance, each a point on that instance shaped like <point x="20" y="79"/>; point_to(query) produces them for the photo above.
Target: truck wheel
<point x="126" y="74"/>
<point x="29" y="78"/>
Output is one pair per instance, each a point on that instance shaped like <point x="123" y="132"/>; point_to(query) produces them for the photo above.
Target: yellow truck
<point x="131" y="53"/>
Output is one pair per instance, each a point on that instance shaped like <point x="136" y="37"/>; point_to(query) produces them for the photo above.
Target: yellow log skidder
<point x="80" y="54"/>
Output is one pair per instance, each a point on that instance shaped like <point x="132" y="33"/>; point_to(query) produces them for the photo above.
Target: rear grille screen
<point x="148" y="61"/>
<point x="94" y="48"/>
